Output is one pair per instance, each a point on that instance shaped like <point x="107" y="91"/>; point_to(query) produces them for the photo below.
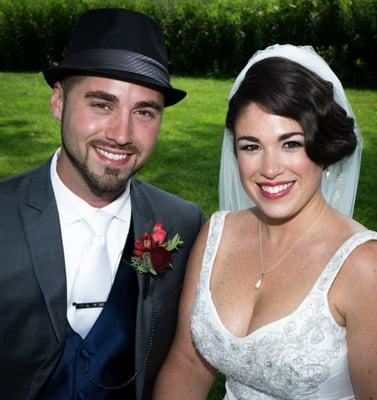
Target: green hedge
<point x="206" y="36"/>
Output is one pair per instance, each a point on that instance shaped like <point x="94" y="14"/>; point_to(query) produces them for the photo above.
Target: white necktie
<point x="94" y="277"/>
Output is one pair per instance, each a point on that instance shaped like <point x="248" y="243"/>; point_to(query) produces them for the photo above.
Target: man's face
<point x="109" y="129"/>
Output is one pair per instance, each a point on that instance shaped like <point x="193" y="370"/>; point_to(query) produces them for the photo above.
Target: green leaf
<point x="173" y="243"/>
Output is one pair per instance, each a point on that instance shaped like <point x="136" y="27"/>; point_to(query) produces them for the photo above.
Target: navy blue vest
<point x="106" y="355"/>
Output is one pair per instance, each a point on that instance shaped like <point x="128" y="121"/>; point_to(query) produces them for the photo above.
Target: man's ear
<point x="57" y="101"/>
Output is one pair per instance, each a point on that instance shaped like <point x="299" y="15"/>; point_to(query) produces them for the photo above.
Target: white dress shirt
<point x="75" y="234"/>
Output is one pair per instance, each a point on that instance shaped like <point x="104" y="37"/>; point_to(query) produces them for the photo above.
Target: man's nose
<point x="120" y="129"/>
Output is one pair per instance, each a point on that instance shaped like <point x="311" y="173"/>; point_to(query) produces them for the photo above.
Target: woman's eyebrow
<point x="249" y="138"/>
<point x="288" y="135"/>
<point x="281" y="138"/>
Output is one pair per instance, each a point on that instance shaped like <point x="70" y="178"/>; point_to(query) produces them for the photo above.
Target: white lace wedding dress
<point x="301" y="356"/>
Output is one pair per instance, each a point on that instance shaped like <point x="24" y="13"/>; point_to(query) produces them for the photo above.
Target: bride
<point x="278" y="292"/>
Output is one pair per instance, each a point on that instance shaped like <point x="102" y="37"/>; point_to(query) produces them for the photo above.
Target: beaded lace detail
<point x="300" y="356"/>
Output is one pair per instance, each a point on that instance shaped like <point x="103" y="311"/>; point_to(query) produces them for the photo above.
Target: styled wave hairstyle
<point x="285" y="88"/>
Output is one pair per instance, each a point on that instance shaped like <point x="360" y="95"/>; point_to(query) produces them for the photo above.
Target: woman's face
<point x="274" y="168"/>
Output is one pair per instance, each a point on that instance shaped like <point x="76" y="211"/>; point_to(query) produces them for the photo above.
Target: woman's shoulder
<point x="360" y="266"/>
<point x="235" y="221"/>
<point x="359" y="235"/>
<point x="249" y="215"/>
<point x="341" y="228"/>
<point x="235" y="227"/>
<point x="358" y="275"/>
<point x="355" y="253"/>
<point x="365" y="248"/>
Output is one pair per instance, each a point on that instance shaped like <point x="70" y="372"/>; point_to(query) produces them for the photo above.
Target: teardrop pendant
<point x="258" y="283"/>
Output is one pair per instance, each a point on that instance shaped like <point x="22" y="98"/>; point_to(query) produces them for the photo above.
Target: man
<point x="77" y="321"/>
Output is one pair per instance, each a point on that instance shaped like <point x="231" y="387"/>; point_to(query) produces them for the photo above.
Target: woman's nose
<point x="272" y="165"/>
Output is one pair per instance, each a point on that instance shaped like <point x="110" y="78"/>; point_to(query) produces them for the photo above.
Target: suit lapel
<point x="144" y="219"/>
<point x="40" y="221"/>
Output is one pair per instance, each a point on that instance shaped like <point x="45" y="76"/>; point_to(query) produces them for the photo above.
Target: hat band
<point x="117" y="59"/>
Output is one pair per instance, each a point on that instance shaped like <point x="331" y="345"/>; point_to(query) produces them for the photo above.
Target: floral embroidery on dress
<point x="291" y="358"/>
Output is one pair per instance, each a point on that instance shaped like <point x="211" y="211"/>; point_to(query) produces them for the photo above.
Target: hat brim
<point x="172" y="95"/>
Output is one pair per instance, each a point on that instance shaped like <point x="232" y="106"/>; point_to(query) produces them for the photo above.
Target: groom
<point x="77" y="321"/>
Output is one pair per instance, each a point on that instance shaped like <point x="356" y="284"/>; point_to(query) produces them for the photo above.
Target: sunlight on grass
<point x="28" y="134"/>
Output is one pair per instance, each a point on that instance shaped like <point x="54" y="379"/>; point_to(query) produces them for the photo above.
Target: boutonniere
<point x="152" y="252"/>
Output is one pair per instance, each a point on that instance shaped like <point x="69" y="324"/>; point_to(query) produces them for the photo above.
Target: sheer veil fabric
<point x="339" y="181"/>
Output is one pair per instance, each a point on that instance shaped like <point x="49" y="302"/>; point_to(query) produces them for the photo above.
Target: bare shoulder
<point x="201" y="240"/>
<point x="341" y="229"/>
<point x="203" y="236"/>
<point x="239" y="233"/>
<point x="238" y="216"/>
<point x="234" y="222"/>
<point x="363" y="260"/>
<point x="359" y="273"/>
<point x="239" y="221"/>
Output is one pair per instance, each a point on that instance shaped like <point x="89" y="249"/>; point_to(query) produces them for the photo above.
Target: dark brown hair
<point x="286" y="88"/>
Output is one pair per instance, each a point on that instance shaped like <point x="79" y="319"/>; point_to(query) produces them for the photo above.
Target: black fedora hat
<point x="119" y="44"/>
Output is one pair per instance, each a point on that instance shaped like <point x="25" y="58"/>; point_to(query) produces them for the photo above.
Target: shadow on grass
<point x="22" y="147"/>
<point x="16" y="123"/>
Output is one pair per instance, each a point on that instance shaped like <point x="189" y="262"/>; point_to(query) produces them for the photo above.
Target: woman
<point x="277" y="297"/>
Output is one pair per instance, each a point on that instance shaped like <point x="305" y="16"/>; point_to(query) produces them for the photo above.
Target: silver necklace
<point x="264" y="272"/>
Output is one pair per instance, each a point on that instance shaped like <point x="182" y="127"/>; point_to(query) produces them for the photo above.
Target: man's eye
<point x="145" y="113"/>
<point x="101" y="106"/>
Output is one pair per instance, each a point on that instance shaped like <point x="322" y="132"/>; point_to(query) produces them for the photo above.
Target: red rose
<point x="139" y="248"/>
<point x="158" y="234"/>
<point x="151" y="254"/>
<point x="147" y="241"/>
<point x="160" y="259"/>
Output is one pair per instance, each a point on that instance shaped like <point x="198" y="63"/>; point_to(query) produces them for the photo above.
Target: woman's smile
<point x="276" y="190"/>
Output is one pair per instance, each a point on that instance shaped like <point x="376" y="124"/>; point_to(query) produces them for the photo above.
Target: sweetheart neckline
<point x="299" y="306"/>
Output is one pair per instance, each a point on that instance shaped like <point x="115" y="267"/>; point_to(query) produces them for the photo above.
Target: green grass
<point x="186" y="160"/>
<point x="364" y="104"/>
<point x="188" y="154"/>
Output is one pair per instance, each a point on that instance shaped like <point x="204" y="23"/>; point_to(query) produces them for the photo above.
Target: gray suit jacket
<point x="33" y="282"/>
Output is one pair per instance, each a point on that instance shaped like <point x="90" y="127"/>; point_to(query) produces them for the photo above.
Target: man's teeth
<point x="276" y="189"/>
<point x="112" y="156"/>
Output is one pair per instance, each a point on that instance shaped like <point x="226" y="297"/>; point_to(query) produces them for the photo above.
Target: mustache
<point x="103" y="143"/>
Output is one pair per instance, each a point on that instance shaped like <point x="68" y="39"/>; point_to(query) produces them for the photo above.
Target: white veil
<point x="339" y="181"/>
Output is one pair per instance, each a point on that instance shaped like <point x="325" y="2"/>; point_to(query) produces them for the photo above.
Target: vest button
<point x="80" y="396"/>
<point x="85" y="354"/>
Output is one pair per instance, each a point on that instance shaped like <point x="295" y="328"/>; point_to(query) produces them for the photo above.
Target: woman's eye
<point x="249" y="147"/>
<point x="292" y="145"/>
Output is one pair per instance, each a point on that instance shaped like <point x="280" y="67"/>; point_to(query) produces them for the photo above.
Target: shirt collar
<point x="72" y="208"/>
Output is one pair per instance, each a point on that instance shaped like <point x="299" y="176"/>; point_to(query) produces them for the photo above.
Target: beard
<point x="109" y="181"/>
